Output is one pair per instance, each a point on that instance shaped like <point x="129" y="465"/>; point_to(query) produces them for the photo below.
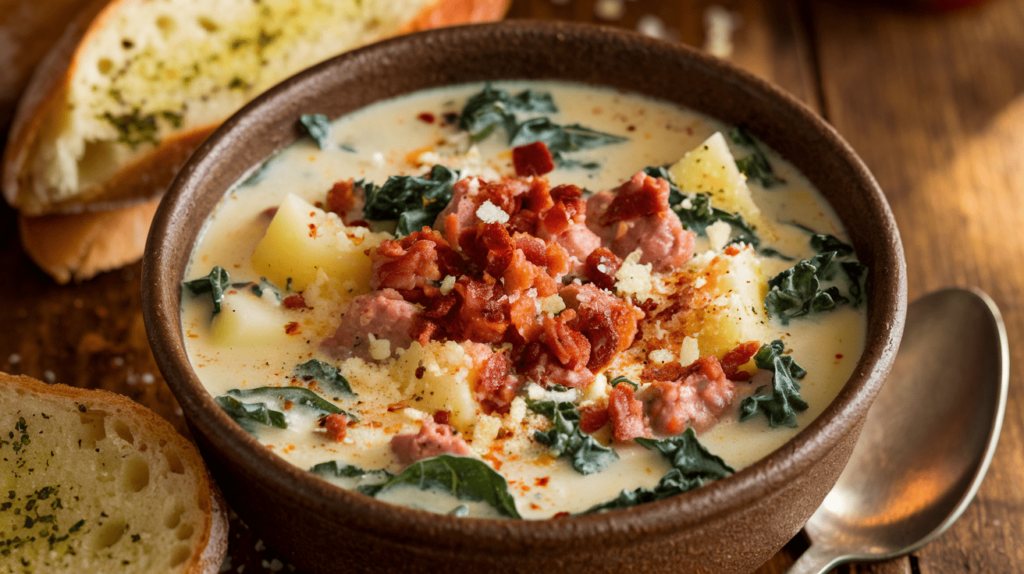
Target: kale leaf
<point x="264" y="285"/>
<point x="413" y="201"/>
<point x="755" y="166"/>
<point x="798" y="290"/>
<point x="215" y="283"/>
<point x="247" y="413"/>
<point x="693" y="466"/>
<point x="327" y="375"/>
<point x="493" y="108"/>
<point x="259" y="411"/>
<point x="318" y="126"/>
<point x="463" y="477"/>
<point x="781" y="405"/>
<point x="333" y="469"/>
<point x="700" y="214"/>
<point x="565" y="438"/>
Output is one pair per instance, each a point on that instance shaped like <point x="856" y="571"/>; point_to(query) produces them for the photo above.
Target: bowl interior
<point x="527" y="50"/>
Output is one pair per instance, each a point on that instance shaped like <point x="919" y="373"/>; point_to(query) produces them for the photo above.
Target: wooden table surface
<point x="933" y="103"/>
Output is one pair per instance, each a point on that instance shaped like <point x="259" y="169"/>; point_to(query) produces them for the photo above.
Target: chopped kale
<point x="327" y="375"/>
<point x="565" y="438"/>
<point x="623" y="379"/>
<point x="700" y="214"/>
<point x="333" y="469"/>
<point x="822" y="243"/>
<point x="258" y="175"/>
<point x="755" y="166"/>
<point x="493" y="108"/>
<point x="798" y="290"/>
<point x="769" y="252"/>
<point x="260" y="412"/>
<point x="692" y="467"/>
<point x="414" y="201"/>
<point x="462" y="477"/>
<point x="784" y="401"/>
<point x="264" y="285"/>
<point x="215" y="284"/>
<point x="298" y="396"/>
<point x="247" y="413"/>
<point x="318" y="126"/>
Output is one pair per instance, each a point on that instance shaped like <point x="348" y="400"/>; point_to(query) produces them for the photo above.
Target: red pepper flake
<point x="295" y="302"/>
<point x="442" y="417"/>
<point x="336" y="426"/>
<point x="426" y="117"/>
<point x="839" y="355"/>
<point x="293" y="328"/>
<point x="542" y="481"/>
<point x="312" y="230"/>
<point x="533" y="506"/>
<point x="532" y="159"/>
<point x="396" y="407"/>
<point x="561" y="515"/>
<point x="420" y="371"/>
<point x="631" y="129"/>
<point x="288" y="405"/>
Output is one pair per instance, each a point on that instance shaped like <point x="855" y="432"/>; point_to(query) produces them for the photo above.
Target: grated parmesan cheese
<point x="634" y="278"/>
<point x="490" y="213"/>
<point x="718" y="234"/>
<point x="380" y="349"/>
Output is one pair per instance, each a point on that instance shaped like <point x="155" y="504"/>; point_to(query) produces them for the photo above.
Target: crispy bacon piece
<point x="608" y="323"/>
<point x="521" y="275"/>
<point x="415" y="262"/>
<point x="697" y="400"/>
<point x="532" y="159"/>
<point x="432" y="440"/>
<point x="593" y="417"/>
<point x="295" y="302"/>
<point x="641" y="195"/>
<point x="483" y="313"/>
<point x="738" y="357"/>
<point x="551" y="256"/>
<point x="442" y="417"/>
<point x="341" y="198"/>
<point x="470" y="193"/>
<point x="601" y="267"/>
<point x="627" y="414"/>
<point x="567" y="208"/>
<point x="336" y="425"/>
<point x="489" y="246"/>
<point x="569" y="346"/>
<point x="538" y="363"/>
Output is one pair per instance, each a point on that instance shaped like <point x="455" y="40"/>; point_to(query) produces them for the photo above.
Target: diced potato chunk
<point x="445" y="383"/>
<point x="248" y="321"/>
<point x="736" y="287"/>
<point x="302" y="239"/>
<point x="711" y="169"/>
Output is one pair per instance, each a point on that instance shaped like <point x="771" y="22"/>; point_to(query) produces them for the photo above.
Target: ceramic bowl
<point x="732" y="525"/>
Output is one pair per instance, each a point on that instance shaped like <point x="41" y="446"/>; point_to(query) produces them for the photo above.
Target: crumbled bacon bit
<point x="426" y="117"/>
<point x="414" y="262"/>
<point x="341" y="198"/>
<point x="293" y="328"/>
<point x="337" y="426"/>
<point x="496" y="387"/>
<point x="738" y="357"/>
<point x="532" y="159"/>
<point x="288" y="405"/>
<point x="295" y="302"/>
<point x="642" y="195"/>
<point x="601" y="267"/>
<point x="442" y="417"/>
<point x="561" y="515"/>
<point x="420" y="371"/>
<point x="593" y="417"/>
<point x="541" y="481"/>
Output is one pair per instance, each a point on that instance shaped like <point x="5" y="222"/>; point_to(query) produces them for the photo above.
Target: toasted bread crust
<point x="79" y="246"/>
<point x="149" y="176"/>
<point x="213" y="541"/>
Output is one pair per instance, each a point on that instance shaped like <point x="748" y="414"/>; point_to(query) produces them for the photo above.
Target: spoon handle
<point x="816" y="560"/>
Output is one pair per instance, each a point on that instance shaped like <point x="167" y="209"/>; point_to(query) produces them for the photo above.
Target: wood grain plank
<point x="769" y="39"/>
<point x="935" y="104"/>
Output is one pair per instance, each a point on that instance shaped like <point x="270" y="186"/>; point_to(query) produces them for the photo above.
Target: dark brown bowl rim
<point x="161" y="301"/>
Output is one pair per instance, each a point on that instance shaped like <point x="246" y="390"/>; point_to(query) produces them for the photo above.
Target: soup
<point x="523" y="300"/>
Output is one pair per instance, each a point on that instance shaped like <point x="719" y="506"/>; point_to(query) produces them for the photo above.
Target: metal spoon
<point x="927" y="440"/>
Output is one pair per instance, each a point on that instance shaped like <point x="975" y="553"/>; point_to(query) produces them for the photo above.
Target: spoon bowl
<point x="927" y="440"/>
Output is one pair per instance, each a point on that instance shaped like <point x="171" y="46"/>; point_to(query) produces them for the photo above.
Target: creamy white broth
<point x="383" y="135"/>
